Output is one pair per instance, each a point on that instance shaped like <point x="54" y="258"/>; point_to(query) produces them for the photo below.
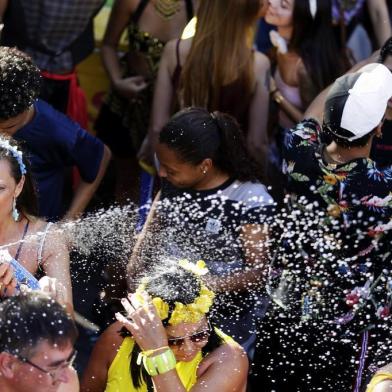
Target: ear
<point x="206" y="165"/>
<point x="6" y="365"/>
<point x="19" y="186"/>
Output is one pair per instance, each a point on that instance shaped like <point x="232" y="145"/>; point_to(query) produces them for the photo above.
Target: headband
<point x="17" y="154"/>
<point x="184" y="313"/>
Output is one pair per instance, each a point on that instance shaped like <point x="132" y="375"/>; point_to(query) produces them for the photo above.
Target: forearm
<point x="111" y="63"/>
<point x="379" y="16"/>
<point x="168" y="382"/>
<point x="289" y="109"/>
<point x="85" y="190"/>
<point x="238" y="281"/>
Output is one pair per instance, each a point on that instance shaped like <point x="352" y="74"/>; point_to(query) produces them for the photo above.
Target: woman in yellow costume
<point x="165" y="342"/>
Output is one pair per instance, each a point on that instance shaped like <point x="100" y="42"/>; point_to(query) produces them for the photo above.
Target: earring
<point x="204" y="171"/>
<point x="15" y="212"/>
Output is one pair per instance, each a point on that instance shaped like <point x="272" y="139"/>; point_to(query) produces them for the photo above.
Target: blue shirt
<point x="53" y="143"/>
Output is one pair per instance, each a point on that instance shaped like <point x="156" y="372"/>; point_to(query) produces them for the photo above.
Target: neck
<point x="25" y="118"/>
<point x="285" y="32"/>
<point x="6" y="225"/>
<point x="212" y="180"/>
<point x="340" y="154"/>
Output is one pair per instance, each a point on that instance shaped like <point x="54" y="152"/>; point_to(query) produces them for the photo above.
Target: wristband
<point x="159" y="364"/>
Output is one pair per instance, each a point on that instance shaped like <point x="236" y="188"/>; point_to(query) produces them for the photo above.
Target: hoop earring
<point x="15" y="212"/>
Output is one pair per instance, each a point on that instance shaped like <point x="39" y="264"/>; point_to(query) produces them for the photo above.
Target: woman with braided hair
<point x="167" y="342"/>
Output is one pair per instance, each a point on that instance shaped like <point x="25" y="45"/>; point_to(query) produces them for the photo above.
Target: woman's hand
<point x="53" y="288"/>
<point x="143" y="322"/>
<point x="7" y="280"/>
<point x="130" y="87"/>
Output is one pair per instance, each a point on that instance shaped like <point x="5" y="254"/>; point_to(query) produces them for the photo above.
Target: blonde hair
<point x="221" y="52"/>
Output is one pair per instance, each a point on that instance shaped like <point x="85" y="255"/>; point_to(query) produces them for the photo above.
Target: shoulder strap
<point x="21" y="242"/>
<point x="189" y="9"/>
<point x="42" y="243"/>
<point x="139" y="11"/>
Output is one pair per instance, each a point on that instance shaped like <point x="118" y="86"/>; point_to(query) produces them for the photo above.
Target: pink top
<point x="291" y="94"/>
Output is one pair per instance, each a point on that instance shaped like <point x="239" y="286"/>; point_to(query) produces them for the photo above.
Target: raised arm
<point x="135" y="264"/>
<point x="55" y="263"/>
<point x="257" y="139"/>
<point x="85" y="190"/>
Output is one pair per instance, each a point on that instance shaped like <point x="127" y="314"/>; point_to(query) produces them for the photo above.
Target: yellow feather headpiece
<point x="190" y="313"/>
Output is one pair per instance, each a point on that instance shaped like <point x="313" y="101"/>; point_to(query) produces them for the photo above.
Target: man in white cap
<point x="329" y="282"/>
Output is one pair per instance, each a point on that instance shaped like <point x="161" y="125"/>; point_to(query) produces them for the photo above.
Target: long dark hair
<point x="26" y="202"/>
<point x="195" y="134"/>
<point x="173" y="284"/>
<point x="313" y="39"/>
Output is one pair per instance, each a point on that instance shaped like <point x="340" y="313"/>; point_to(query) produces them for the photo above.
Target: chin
<point x="184" y="357"/>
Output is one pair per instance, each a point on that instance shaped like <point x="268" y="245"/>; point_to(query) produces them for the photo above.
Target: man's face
<point x="45" y="370"/>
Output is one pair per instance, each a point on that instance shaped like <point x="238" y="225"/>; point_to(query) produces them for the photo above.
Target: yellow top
<point x="377" y="378"/>
<point x="119" y="376"/>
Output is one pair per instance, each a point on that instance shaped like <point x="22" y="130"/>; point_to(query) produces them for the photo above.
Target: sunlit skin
<point x="20" y="376"/>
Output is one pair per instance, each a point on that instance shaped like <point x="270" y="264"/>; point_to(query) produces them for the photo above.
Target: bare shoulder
<point x="229" y="355"/>
<point x="109" y="342"/>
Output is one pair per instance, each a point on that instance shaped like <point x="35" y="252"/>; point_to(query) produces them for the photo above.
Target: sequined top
<point x="143" y="58"/>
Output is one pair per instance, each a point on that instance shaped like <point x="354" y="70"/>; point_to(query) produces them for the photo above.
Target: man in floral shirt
<point x="331" y="281"/>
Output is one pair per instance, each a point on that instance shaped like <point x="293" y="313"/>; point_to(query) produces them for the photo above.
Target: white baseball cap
<point x="356" y="102"/>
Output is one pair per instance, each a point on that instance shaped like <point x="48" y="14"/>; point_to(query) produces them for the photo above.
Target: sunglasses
<point x="197" y="337"/>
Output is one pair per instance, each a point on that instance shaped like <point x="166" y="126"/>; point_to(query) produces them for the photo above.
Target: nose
<point x="187" y="346"/>
<point x="64" y="375"/>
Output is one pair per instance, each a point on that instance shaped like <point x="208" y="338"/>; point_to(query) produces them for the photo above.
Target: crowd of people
<point x="264" y="262"/>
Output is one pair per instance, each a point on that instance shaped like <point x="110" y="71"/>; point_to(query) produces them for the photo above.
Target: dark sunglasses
<point x="194" y="338"/>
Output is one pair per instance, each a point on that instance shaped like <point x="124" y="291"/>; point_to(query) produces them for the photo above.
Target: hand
<point x="143" y="322"/>
<point x="7" y="280"/>
<point x="53" y="288"/>
<point x="130" y="87"/>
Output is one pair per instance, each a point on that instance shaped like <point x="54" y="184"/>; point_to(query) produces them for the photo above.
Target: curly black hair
<point x="20" y="82"/>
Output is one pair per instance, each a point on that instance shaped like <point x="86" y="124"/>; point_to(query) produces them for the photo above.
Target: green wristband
<point x="160" y="364"/>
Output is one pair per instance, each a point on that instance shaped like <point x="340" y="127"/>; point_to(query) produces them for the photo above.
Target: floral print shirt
<point x="337" y="233"/>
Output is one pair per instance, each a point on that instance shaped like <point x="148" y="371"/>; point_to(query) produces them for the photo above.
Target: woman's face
<point x="178" y="173"/>
<point x="280" y="13"/>
<point x="186" y="339"/>
<point x="8" y="188"/>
